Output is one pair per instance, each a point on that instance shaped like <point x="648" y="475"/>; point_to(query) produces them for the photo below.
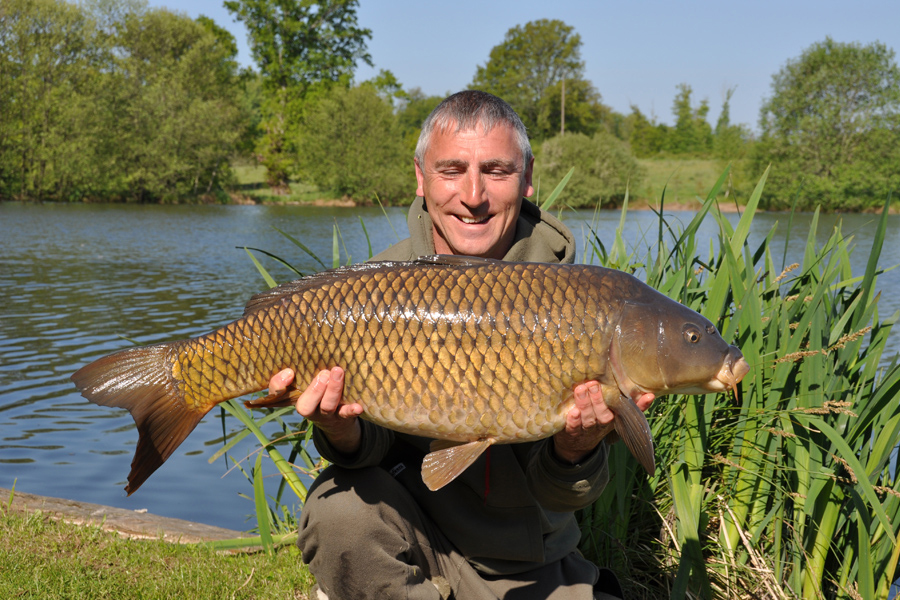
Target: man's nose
<point x="475" y="189"/>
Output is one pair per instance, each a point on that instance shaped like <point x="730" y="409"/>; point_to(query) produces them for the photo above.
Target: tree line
<point x="110" y="100"/>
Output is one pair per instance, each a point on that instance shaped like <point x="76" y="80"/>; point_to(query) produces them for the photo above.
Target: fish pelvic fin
<point x="139" y="379"/>
<point x="442" y="466"/>
<point x="633" y="429"/>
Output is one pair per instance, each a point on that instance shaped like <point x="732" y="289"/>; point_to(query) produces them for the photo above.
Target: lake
<point x="80" y="281"/>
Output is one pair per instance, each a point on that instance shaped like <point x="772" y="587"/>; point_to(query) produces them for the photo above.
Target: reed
<point x="789" y="489"/>
<point x="786" y="490"/>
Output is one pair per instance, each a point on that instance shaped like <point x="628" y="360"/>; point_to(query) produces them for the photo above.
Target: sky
<point x="635" y="52"/>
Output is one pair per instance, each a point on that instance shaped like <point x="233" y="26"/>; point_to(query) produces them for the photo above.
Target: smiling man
<point x="505" y="528"/>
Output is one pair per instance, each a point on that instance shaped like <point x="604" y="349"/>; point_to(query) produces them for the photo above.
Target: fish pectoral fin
<point x="284" y="398"/>
<point x="442" y="466"/>
<point x="633" y="429"/>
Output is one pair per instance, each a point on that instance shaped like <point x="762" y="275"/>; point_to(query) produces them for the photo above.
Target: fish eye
<point x="692" y="333"/>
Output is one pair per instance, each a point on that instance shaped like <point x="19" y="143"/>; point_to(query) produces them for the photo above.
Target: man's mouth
<point x="473" y="220"/>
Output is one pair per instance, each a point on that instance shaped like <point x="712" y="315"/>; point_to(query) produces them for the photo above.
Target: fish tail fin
<point x="633" y="429"/>
<point x="140" y="380"/>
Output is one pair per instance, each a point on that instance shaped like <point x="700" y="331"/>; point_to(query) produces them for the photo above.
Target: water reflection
<point x="79" y="282"/>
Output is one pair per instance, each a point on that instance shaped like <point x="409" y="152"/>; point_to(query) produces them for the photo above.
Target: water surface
<point x="80" y="281"/>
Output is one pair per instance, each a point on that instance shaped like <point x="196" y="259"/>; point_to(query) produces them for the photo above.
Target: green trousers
<point x="363" y="536"/>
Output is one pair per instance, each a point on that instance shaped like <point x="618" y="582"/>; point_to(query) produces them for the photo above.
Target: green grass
<point x="251" y="182"/>
<point x="46" y="559"/>
<point x="685" y="180"/>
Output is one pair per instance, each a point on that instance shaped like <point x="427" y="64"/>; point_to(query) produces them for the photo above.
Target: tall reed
<point x="789" y="489"/>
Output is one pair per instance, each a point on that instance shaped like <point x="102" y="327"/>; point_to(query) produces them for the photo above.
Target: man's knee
<point x="350" y="500"/>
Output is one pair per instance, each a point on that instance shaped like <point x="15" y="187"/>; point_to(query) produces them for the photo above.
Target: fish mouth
<point x="733" y="371"/>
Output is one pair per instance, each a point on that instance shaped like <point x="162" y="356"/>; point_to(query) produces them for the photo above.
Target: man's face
<point x="473" y="184"/>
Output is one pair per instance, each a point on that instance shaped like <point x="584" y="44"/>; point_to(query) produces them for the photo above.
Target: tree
<point x="351" y="145"/>
<point x="828" y="110"/>
<point x="604" y="168"/>
<point x="297" y="44"/>
<point x="172" y="94"/>
<point x="414" y="112"/>
<point x="692" y="133"/>
<point x="46" y="65"/>
<point x="110" y="100"/>
<point x="584" y="112"/>
<point x="530" y="60"/>
<point x="647" y="137"/>
<point x="729" y="141"/>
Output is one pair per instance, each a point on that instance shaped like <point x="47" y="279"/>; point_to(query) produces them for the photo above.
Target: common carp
<point x="466" y="350"/>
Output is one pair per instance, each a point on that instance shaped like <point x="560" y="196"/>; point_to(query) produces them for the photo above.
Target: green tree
<point x="413" y="113"/>
<point x="647" y="138"/>
<point x="47" y="59"/>
<point x="729" y="141"/>
<point x="692" y="133"/>
<point x="173" y="115"/>
<point x="351" y="145"/>
<point x="113" y="101"/>
<point x="297" y="44"/>
<point x="530" y="60"/>
<point x="604" y="168"/>
<point x="830" y="109"/>
<point x="584" y="112"/>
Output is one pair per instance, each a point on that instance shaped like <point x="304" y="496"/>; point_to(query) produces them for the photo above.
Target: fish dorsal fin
<point x="442" y="466"/>
<point x="275" y="295"/>
<point x="456" y="260"/>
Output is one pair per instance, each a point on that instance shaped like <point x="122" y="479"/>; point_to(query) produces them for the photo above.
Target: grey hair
<point x="464" y="111"/>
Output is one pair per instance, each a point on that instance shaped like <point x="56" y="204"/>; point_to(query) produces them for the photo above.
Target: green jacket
<point x="512" y="510"/>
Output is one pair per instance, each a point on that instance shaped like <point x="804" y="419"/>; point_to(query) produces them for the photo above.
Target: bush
<point x="604" y="168"/>
<point x="350" y="144"/>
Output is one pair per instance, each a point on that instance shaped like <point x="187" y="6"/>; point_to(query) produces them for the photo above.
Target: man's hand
<point x="322" y="404"/>
<point x="587" y="423"/>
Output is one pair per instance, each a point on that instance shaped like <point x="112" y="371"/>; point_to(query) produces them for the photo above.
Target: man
<point x="505" y="528"/>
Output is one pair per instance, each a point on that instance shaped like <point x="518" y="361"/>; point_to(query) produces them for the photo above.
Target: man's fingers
<point x="334" y="390"/>
<point x="308" y="402"/>
<point x="584" y="402"/>
<point x="280" y="381"/>
<point x="644" y="401"/>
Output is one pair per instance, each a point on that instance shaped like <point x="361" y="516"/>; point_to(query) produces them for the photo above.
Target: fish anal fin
<point x="286" y="397"/>
<point x="437" y="445"/>
<point x="442" y="466"/>
<point x="633" y="429"/>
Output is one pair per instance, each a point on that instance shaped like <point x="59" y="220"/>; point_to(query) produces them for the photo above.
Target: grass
<point x="44" y="558"/>
<point x="686" y="180"/>
<point x="251" y="183"/>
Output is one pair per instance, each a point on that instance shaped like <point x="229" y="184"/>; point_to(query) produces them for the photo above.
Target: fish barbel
<point x="466" y="350"/>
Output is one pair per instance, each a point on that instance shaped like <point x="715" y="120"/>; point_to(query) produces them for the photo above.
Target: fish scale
<point x="442" y="342"/>
<point x="454" y="348"/>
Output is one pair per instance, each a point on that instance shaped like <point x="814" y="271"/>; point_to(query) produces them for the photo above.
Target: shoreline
<point x="129" y="524"/>
<point x="639" y="205"/>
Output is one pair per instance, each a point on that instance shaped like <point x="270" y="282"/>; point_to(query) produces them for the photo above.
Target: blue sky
<point x="635" y="52"/>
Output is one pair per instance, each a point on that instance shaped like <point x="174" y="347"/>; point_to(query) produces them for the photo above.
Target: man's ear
<point x="420" y="179"/>
<point x="529" y="171"/>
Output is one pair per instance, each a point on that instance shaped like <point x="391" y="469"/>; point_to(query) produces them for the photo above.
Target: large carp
<point x="466" y="350"/>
